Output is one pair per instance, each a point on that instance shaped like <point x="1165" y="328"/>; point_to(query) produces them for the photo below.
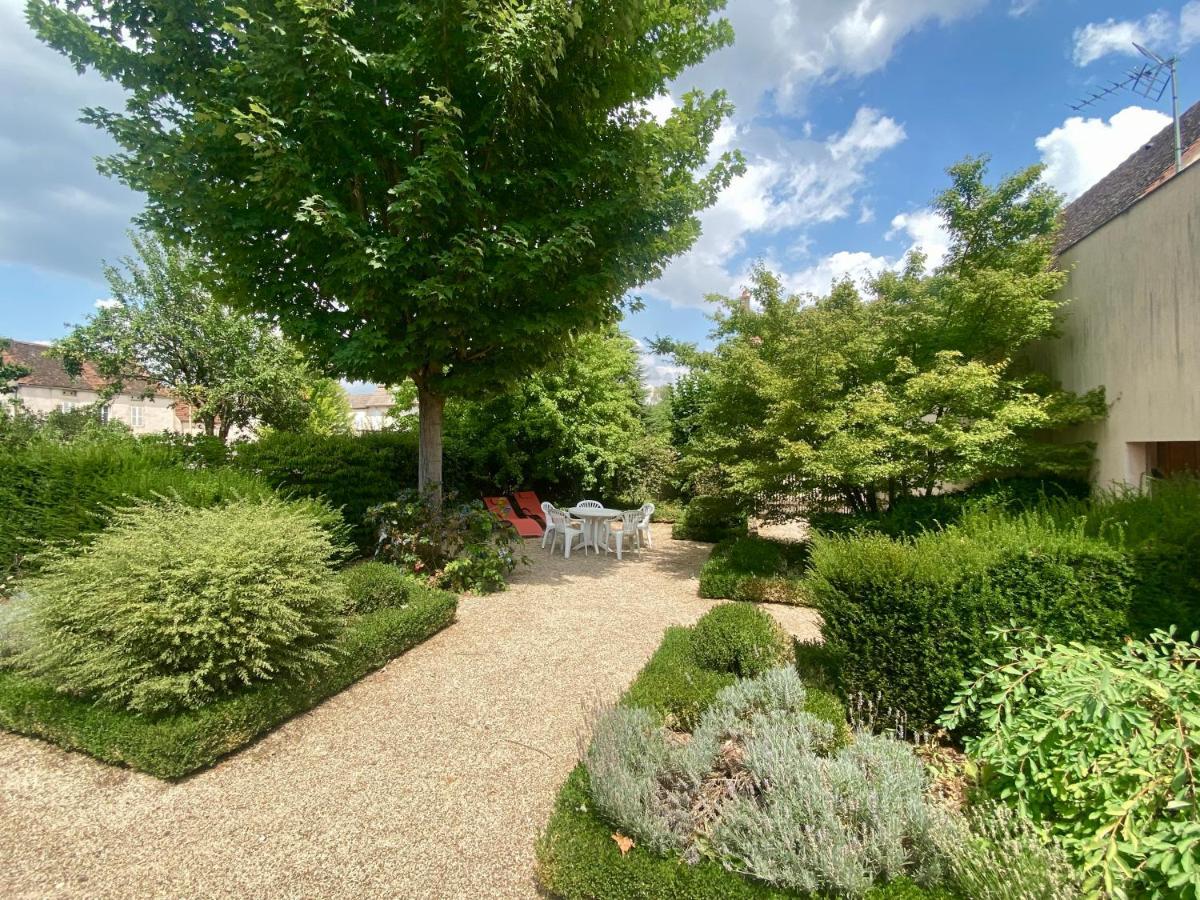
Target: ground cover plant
<point x="909" y="619"/>
<point x="1098" y="746"/>
<point x="755" y="570"/>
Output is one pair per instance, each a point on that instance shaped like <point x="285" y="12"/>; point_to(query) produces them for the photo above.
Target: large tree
<point x="918" y="385"/>
<point x="164" y="328"/>
<point x="442" y="191"/>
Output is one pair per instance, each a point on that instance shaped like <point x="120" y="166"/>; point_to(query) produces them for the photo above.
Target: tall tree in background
<point x="164" y="328"/>
<point x="444" y="192"/>
<point x="918" y="386"/>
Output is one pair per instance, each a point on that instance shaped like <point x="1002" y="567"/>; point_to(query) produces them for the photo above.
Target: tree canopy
<point x="919" y="385"/>
<point x="164" y="328"/>
<point x="444" y="192"/>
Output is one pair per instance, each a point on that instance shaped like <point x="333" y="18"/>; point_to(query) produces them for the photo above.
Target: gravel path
<point x="430" y="778"/>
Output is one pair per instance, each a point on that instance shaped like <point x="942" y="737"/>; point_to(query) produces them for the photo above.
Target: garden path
<point x="429" y="778"/>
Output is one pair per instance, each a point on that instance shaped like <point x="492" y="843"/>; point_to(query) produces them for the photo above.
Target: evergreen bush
<point x="709" y="519"/>
<point x="172" y="606"/>
<point x="374" y="585"/>
<point x="738" y="638"/>
<point x="755" y="570"/>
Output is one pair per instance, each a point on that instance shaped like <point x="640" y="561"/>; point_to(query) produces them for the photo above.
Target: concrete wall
<point x="1133" y="326"/>
<point x="156" y="413"/>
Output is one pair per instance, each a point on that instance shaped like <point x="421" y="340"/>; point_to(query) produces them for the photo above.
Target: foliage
<point x="992" y="853"/>
<point x="798" y="808"/>
<point x="328" y="408"/>
<point x="938" y="597"/>
<point x="54" y="491"/>
<point x="353" y="472"/>
<point x="461" y="546"/>
<point x="909" y="516"/>
<point x="20" y="427"/>
<point x="1098" y="746"/>
<point x="9" y="371"/>
<point x="710" y="519"/>
<point x="738" y="638"/>
<point x="176" y="745"/>
<point x="577" y="427"/>
<point x="1159" y="531"/>
<point x="898" y="394"/>
<point x="167" y="330"/>
<point x="171" y="606"/>
<point x="674" y="685"/>
<point x="755" y="570"/>
<point x="372" y="586"/>
<point x="446" y="193"/>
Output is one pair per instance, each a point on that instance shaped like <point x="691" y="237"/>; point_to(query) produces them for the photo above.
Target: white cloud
<point x="1098" y="39"/>
<point x="107" y="303"/>
<point x="657" y="370"/>
<point x="859" y="266"/>
<point x="789" y="183"/>
<point x="1021" y="7"/>
<point x="1080" y="152"/>
<point x="926" y="230"/>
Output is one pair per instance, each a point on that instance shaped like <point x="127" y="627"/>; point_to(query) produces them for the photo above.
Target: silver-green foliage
<point x="1099" y="747"/>
<point x="992" y="853"/>
<point x="172" y="606"/>
<point x="800" y="810"/>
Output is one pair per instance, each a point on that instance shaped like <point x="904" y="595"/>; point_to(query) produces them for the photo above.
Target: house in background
<point x="48" y="387"/>
<point x="1132" y="246"/>
<point x="372" y="412"/>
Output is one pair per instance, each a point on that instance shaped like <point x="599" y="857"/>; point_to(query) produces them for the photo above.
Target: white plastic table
<point x="593" y="520"/>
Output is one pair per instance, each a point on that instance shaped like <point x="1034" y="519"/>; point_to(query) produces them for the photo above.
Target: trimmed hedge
<point x="709" y="519"/>
<point x="58" y="492"/>
<point x="739" y="638"/>
<point x="352" y="472"/>
<point x="673" y="684"/>
<point x="909" y="619"/>
<point x="756" y="570"/>
<point x="372" y="586"/>
<point x="176" y="745"/>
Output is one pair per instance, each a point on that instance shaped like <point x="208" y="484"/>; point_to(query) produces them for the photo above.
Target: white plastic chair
<point x="547" y="510"/>
<point x="589" y="504"/>
<point x="569" y="528"/>
<point x="630" y="519"/>
<point x="643" y="527"/>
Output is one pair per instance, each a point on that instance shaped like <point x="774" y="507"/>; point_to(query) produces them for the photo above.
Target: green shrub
<point x="175" y="745"/>
<point x="1159" y="530"/>
<point x="796" y="807"/>
<point x="353" y="472"/>
<point x="371" y="586"/>
<point x="909" y="619"/>
<point x="674" y="685"/>
<point x="461" y="545"/>
<point x="578" y="859"/>
<point x="172" y="606"/>
<point x="738" y="638"/>
<point x="53" y="492"/>
<point x="755" y="570"/>
<point x="709" y="519"/>
<point x="1099" y="747"/>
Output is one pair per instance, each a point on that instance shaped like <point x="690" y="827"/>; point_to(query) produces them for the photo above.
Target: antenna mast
<point x="1150" y="80"/>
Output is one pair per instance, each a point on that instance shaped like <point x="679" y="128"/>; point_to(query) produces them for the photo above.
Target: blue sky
<point x="848" y="113"/>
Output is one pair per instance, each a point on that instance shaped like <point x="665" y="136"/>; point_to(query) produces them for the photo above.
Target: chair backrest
<point x="589" y="504"/>
<point x="548" y="509"/>
<point x="499" y="507"/>
<point x="630" y="519"/>
<point x="647" y="511"/>
<point x="558" y="518"/>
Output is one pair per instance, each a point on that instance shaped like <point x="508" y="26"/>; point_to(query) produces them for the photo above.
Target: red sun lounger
<point x="503" y="510"/>
<point x="528" y="503"/>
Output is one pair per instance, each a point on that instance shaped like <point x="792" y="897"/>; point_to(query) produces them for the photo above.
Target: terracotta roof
<point x="373" y="400"/>
<point x="1145" y="170"/>
<point x="48" y="371"/>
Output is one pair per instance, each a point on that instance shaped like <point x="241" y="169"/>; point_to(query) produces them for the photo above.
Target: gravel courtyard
<point x="430" y="778"/>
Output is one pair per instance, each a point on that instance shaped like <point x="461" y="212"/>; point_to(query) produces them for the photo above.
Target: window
<point x="135" y="416"/>
<point x="66" y="405"/>
<point x="104" y="415"/>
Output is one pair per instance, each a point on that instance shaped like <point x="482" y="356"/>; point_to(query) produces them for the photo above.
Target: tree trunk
<point x="209" y="425"/>
<point x="430" y="407"/>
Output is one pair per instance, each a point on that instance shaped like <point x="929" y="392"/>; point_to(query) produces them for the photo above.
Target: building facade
<point x="48" y="388"/>
<point x="1132" y="324"/>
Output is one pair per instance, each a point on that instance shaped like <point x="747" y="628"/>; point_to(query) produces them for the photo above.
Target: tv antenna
<point x="1149" y="80"/>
